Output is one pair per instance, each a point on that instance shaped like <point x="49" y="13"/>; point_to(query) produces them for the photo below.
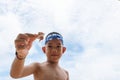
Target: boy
<point x="49" y="70"/>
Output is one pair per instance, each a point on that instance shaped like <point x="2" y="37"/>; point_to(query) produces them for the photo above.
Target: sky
<point x="90" y="29"/>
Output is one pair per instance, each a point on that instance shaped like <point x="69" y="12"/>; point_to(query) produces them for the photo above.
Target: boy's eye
<point x="50" y="46"/>
<point x="58" y="46"/>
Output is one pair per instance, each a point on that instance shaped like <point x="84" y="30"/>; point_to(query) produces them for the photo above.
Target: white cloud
<point x="95" y="65"/>
<point x="10" y="27"/>
<point x="94" y="25"/>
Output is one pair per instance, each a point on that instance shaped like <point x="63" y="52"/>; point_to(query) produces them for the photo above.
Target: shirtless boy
<point x="48" y="70"/>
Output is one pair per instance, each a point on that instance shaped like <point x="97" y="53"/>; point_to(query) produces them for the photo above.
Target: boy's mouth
<point x="54" y="55"/>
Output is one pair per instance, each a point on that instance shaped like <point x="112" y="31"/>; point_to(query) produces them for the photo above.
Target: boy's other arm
<point x="67" y="74"/>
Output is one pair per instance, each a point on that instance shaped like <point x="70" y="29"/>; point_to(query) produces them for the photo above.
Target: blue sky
<point x="90" y="29"/>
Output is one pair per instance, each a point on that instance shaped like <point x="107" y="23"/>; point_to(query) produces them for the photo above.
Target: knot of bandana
<point x="54" y="36"/>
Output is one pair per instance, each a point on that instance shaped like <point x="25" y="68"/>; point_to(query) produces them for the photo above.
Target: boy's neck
<point x="52" y="63"/>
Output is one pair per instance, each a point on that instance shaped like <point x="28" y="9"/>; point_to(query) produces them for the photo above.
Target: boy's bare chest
<point x="50" y="74"/>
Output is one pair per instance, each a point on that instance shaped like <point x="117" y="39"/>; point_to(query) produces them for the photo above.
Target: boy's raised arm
<point x="18" y="69"/>
<point x="23" y="43"/>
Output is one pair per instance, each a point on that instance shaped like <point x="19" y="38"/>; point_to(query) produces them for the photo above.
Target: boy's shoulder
<point x="66" y="72"/>
<point x="38" y="65"/>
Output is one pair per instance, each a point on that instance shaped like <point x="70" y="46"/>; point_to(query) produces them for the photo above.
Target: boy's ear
<point x="64" y="49"/>
<point x="43" y="48"/>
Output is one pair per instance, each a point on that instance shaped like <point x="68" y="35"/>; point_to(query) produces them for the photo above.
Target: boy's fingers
<point x="32" y="37"/>
<point x="25" y="40"/>
<point x="40" y="33"/>
<point x="20" y="44"/>
<point x="21" y="35"/>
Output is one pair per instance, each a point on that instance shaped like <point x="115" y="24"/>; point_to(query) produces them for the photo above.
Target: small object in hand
<point x="40" y="36"/>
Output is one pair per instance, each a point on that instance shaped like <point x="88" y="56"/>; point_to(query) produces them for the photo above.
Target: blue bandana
<point x="54" y="36"/>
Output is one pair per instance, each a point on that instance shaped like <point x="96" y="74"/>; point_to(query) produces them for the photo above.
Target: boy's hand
<point x="23" y="42"/>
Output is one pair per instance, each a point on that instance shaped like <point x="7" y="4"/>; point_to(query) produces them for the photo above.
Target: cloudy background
<point x="91" y="30"/>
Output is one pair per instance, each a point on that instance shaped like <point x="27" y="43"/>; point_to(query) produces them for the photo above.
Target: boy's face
<point x="54" y="50"/>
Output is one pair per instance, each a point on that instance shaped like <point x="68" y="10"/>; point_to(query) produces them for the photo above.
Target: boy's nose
<point x="54" y="49"/>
